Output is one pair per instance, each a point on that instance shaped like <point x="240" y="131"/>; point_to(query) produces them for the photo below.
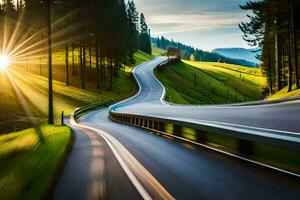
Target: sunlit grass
<point x="29" y="160"/>
<point x="284" y="93"/>
<point x="24" y="95"/>
<point x="211" y="83"/>
<point x="252" y="75"/>
<point x="24" y="100"/>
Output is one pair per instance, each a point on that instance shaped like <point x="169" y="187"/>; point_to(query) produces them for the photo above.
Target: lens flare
<point x="4" y="62"/>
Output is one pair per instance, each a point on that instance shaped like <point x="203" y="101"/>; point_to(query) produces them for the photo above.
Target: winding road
<point x="115" y="161"/>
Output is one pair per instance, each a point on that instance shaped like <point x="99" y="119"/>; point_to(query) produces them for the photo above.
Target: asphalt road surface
<point x="147" y="166"/>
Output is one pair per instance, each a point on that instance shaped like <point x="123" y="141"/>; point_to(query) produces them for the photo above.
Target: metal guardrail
<point x="284" y="140"/>
<point x="247" y="137"/>
<point x="84" y="110"/>
<point x="248" y="141"/>
<point x="166" y="63"/>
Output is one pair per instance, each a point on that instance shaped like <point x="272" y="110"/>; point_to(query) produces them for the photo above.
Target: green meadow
<point x="190" y="82"/>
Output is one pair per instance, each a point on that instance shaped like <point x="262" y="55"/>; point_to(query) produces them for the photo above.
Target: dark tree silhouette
<point x="145" y="38"/>
<point x="273" y="27"/>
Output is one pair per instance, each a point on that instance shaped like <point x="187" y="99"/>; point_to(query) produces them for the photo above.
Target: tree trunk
<point x="111" y="73"/>
<point x="50" y="84"/>
<point x="67" y="64"/>
<point x="290" y="68"/>
<point x="277" y="59"/>
<point x="90" y="53"/>
<point x="73" y="60"/>
<point x="102" y="66"/>
<point x="84" y="63"/>
<point x="270" y="75"/>
<point x="294" y="41"/>
<point x="81" y="66"/>
<point x="97" y="63"/>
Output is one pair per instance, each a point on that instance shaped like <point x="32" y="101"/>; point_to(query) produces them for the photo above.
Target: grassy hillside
<point x="211" y="83"/>
<point x="141" y="57"/>
<point x="157" y="51"/>
<point x="24" y="100"/>
<point x="284" y="94"/>
<point x="29" y="161"/>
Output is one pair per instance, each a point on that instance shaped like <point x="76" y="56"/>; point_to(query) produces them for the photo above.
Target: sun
<point x="4" y="62"/>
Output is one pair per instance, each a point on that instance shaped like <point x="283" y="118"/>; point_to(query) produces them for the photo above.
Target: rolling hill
<point x="190" y="82"/>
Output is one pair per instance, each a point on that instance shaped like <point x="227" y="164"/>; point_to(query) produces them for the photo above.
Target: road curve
<point x="281" y="117"/>
<point x="183" y="171"/>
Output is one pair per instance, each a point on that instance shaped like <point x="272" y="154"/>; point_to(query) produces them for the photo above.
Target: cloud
<point x="189" y="18"/>
<point x="187" y="22"/>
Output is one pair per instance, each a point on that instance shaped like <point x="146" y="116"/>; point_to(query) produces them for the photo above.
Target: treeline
<point x="274" y="26"/>
<point x="190" y="53"/>
<point x="99" y="34"/>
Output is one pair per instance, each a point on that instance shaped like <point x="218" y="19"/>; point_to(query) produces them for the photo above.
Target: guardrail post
<point x="246" y="147"/>
<point x="177" y="130"/>
<point x="136" y="121"/>
<point x="162" y="127"/>
<point x="150" y="124"/>
<point x="132" y="120"/>
<point x="62" y="118"/>
<point x="156" y="127"/>
<point x="141" y="122"/>
<point x="201" y="137"/>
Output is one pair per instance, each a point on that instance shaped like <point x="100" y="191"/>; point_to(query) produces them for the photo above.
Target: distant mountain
<point x="189" y="52"/>
<point x="239" y="53"/>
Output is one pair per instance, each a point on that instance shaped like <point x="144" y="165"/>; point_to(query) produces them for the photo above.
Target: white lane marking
<point x="142" y="191"/>
<point x="136" y="165"/>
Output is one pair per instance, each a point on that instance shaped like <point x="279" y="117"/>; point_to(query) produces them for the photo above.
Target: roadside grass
<point x="24" y="100"/>
<point x="157" y="51"/>
<point x="141" y="57"/>
<point x="211" y="83"/>
<point x="285" y="94"/>
<point x="30" y="159"/>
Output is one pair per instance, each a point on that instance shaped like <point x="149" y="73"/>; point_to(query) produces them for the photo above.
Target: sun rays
<point x="23" y="47"/>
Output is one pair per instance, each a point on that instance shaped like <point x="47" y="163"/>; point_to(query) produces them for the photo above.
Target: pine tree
<point x="145" y="36"/>
<point x="133" y="19"/>
<point x="273" y="29"/>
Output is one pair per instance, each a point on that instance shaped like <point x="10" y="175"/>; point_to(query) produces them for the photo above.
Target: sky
<point x="204" y="24"/>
